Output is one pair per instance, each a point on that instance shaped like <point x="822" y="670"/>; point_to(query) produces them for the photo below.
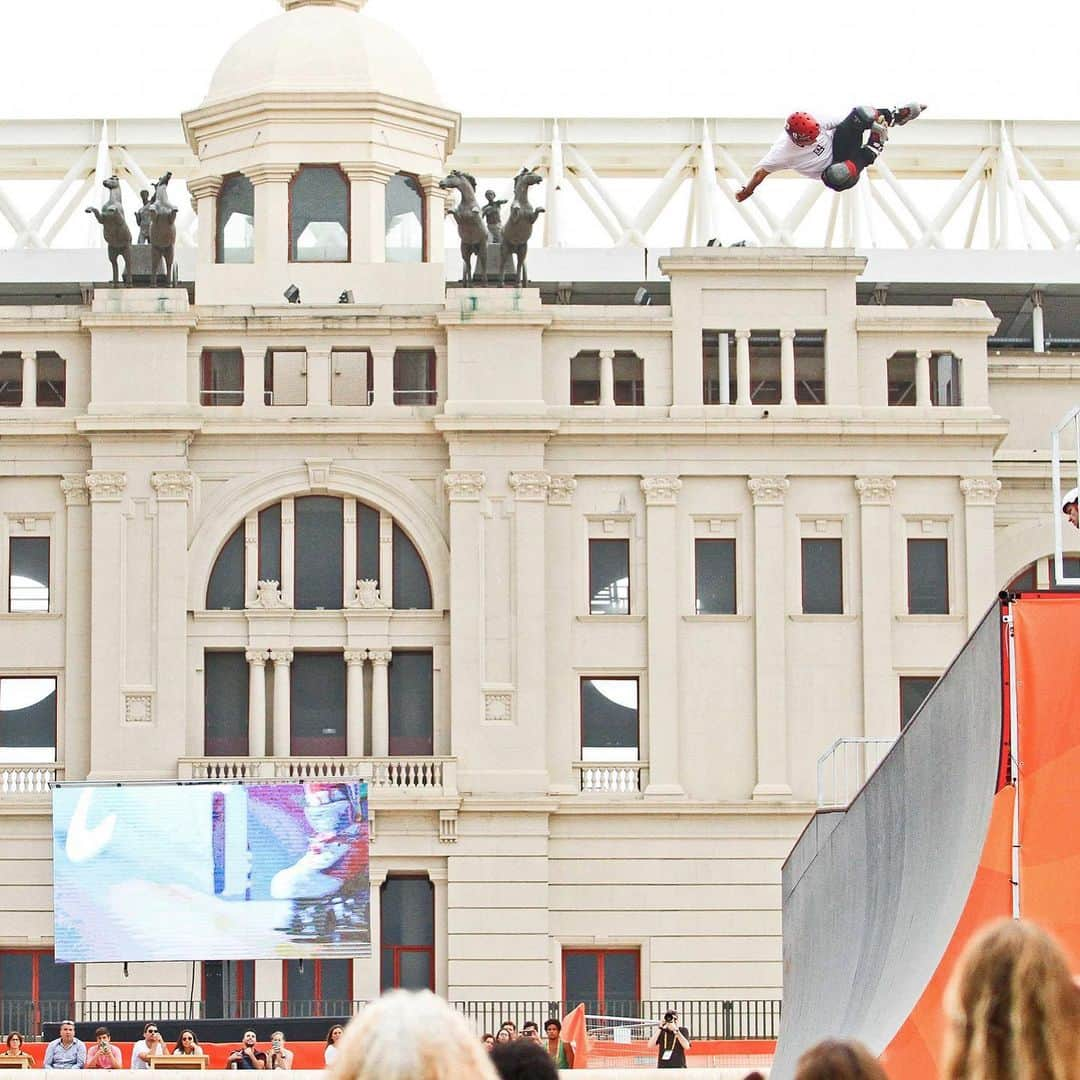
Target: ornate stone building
<point x="583" y="590"/>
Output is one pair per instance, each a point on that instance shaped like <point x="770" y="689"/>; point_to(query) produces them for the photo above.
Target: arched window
<point x="236" y="220"/>
<point x="319" y="215"/>
<point x="226" y="588"/>
<point x="406" y="225"/>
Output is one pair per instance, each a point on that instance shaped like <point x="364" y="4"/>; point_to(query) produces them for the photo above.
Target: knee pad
<point x="841" y="175"/>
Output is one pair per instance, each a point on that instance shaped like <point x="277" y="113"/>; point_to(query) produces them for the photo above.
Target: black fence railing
<point x="738" y="1018"/>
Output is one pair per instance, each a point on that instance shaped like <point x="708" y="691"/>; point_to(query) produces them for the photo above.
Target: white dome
<point x="320" y="47"/>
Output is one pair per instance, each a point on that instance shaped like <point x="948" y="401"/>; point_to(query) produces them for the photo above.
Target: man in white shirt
<point x="150" y="1045"/>
<point x="832" y="150"/>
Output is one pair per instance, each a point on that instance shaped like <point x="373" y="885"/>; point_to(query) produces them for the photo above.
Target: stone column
<point x="1038" y="336"/>
<point x="318" y="376"/>
<point x="282" y="658"/>
<point x="724" y="368"/>
<point x="742" y="367"/>
<point x="880" y="709"/>
<point x="386" y="559"/>
<point x="367" y="973"/>
<point x="770" y="668"/>
<point x="435" y="211"/>
<point x="530" y="607"/>
<point x="106" y="490"/>
<point x="380" y="702"/>
<point x="251" y="558"/>
<point x="272" y="243"/>
<point x="787" y="367"/>
<point x="257" y="659"/>
<point x="29" y="380"/>
<point x="349" y="554"/>
<point x="563" y="735"/>
<point x="922" y="378"/>
<point x="288" y="552"/>
<point x="74" y="739"/>
<point x="661" y="542"/>
<point x="438" y="879"/>
<point x="382" y="374"/>
<point x="367" y="189"/>
<point x="980" y="495"/>
<point x="464" y="489"/>
<point x="607" y="376"/>
<point x="354" y="702"/>
<point x="204" y="191"/>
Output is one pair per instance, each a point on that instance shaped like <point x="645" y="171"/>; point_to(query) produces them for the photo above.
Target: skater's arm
<point x="751" y="185"/>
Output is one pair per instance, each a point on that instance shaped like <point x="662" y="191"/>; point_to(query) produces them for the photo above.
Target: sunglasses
<point x="151" y="1031"/>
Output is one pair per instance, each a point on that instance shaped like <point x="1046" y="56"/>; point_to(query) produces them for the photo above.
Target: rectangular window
<point x="765" y="367"/>
<point x="928" y="576"/>
<point x="714" y="577"/>
<point x="228" y="988"/>
<point x="718" y="369"/>
<point x="11" y="375"/>
<point x="608" y="981"/>
<point x="352" y="377"/>
<point x="913" y="692"/>
<point x="1070" y="568"/>
<point x="407" y="952"/>
<point x="944" y="379"/>
<point x="222" y="377"/>
<point x="317" y="988"/>
<point x="317" y="705"/>
<point x="414" y="377"/>
<point x="319" y="559"/>
<point x="609" y="719"/>
<point x="810" y="367"/>
<point x="28" y="573"/>
<point x="412" y="703"/>
<point x="225" y="704"/>
<point x="27" y="719"/>
<point x="628" y="370"/>
<point x="285" y="377"/>
<point x="900" y="373"/>
<point x="585" y="379"/>
<point x="51" y="380"/>
<point x="34" y="989"/>
<point x="822" y="576"/>
<point x="609" y="577"/>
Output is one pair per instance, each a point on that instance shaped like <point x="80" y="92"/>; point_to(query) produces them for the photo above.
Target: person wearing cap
<point x="1070" y="508"/>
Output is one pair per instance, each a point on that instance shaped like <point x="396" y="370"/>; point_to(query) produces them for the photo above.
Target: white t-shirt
<point x="330" y="1053"/>
<point x="141" y="1047"/>
<point x="810" y="160"/>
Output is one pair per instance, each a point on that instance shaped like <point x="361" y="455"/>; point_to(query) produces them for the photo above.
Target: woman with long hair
<point x="187" y="1043"/>
<point x="333" y="1037"/>
<point x="1012" y="1008"/>
<point x="838" y="1059"/>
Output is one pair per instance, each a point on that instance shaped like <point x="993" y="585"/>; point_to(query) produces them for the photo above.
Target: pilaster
<point x="980" y="495"/>
<point x="77" y="628"/>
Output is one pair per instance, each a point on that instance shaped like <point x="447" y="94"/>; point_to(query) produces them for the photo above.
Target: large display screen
<point x="210" y="871"/>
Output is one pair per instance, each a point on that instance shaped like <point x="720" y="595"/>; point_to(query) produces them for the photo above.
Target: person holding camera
<point x="103" y="1055"/>
<point x="671" y="1042"/>
<point x="150" y="1045"/>
<point x="281" y="1057"/>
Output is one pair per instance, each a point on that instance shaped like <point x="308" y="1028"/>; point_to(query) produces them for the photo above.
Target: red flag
<point x="573" y="1032"/>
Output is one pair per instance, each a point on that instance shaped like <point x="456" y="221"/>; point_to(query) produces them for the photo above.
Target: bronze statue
<point x="472" y="231"/>
<point x="115" y="229"/>
<point x="519" y="227"/>
<point x="162" y="230"/>
<point x="493" y="215"/>
<point x="144" y="218"/>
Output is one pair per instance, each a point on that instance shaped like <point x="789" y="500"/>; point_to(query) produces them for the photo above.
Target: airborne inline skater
<point x="832" y="150"/>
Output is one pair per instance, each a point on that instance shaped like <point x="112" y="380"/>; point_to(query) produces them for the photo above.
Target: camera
<point x="669" y="1017"/>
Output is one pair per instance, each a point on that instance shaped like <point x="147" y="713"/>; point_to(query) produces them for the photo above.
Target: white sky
<point x="995" y="58"/>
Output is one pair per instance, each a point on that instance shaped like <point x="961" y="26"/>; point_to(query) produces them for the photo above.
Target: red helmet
<point x="802" y="128"/>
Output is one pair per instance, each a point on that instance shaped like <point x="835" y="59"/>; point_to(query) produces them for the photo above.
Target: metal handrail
<point x="851" y="761"/>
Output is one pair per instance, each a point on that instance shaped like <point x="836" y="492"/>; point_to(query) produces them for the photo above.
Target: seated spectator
<point x="523" y="1059"/>
<point x="562" y="1053"/>
<point x="103" y="1055"/>
<point x="332" y="1037"/>
<point x="838" y="1059"/>
<point x="1012" y="1009"/>
<point x="187" y="1043"/>
<point x="248" y="1056"/>
<point x="281" y="1057"/>
<point x="66" y="1052"/>
<point x="150" y="1045"/>
<point x="14" y="1048"/>
<point x="407" y="1036"/>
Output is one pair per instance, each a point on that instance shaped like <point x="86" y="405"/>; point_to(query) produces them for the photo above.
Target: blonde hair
<point x="838" y="1059"/>
<point x="1012" y="1008"/>
<point x="407" y="1036"/>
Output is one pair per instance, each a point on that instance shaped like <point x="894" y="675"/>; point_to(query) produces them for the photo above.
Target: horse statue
<point x="472" y="231"/>
<point x="115" y="229"/>
<point x="519" y="227"/>
<point x="162" y="230"/>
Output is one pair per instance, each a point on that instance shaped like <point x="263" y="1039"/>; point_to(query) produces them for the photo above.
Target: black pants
<point x="848" y="143"/>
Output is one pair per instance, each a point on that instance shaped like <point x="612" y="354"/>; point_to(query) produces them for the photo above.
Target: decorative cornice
<point x="561" y="490"/>
<point x="172" y="485"/>
<point x="75" y="490"/>
<point x="271" y="172"/>
<point x="207" y="186"/>
<point x="355" y="656"/>
<point x="257" y="656"/>
<point x="105" y="486"/>
<point x="371" y="171"/>
<point x="661" y="490"/>
<point x="380" y="657"/>
<point x="875" y="490"/>
<point x="281" y="656"/>
<point x="530" y="486"/>
<point x="768" y="490"/>
<point x="980" y="490"/>
<point x="464" y="485"/>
